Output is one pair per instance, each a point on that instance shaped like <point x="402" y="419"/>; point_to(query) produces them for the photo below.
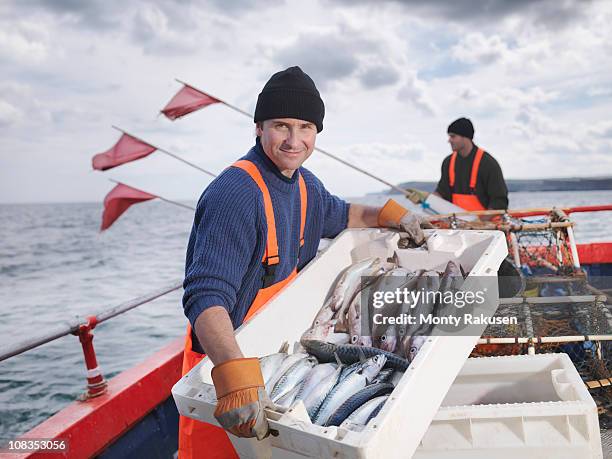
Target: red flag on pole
<point x="125" y="150"/>
<point x="187" y="100"/>
<point x="119" y="200"/>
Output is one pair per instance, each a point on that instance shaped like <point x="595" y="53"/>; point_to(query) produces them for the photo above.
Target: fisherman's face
<point x="288" y="142"/>
<point x="457" y="142"/>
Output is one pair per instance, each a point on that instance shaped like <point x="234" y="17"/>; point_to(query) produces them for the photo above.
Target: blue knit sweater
<point x="223" y="265"/>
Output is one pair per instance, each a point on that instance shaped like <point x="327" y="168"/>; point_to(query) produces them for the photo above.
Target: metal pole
<point x="515" y="250"/>
<point x="233" y="107"/>
<point x="554" y="299"/>
<point x="96" y="384"/>
<point x="158" y="197"/>
<point x="162" y="150"/>
<point x="544" y="339"/>
<point x="320" y="150"/>
<point x="573" y="249"/>
<point x="72" y="326"/>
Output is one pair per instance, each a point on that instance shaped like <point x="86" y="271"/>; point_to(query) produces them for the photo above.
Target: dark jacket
<point x="491" y="188"/>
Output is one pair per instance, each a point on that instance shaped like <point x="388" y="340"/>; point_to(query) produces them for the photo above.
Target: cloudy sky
<point x="534" y="76"/>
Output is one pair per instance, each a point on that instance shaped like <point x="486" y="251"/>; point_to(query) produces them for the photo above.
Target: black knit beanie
<point x="462" y="127"/>
<point x="290" y="94"/>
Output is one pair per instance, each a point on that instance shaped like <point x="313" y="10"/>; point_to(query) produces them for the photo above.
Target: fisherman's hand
<point x="393" y="215"/>
<point x="241" y="398"/>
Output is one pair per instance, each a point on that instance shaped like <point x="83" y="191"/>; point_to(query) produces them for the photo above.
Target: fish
<point x="270" y="364"/>
<point x="338" y="338"/>
<point x="412" y="344"/>
<point x="285" y="365"/>
<point x="384" y="335"/>
<point x="451" y="271"/>
<point x="314" y="377"/>
<point x="292" y="377"/>
<point x="395" y="377"/>
<point x="375" y="412"/>
<point x="405" y="307"/>
<point x="366" y="334"/>
<point x="355" y="320"/>
<point x="388" y="340"/>
<point x="374" y="268"/>
<point x="383" y="376"/>
<point x="357" y="400"/>
<point x="348" y="386"/>
<point x="323" y="351"/>
<point x="349" y="353"/>
<point x="404" y="347"/>
<point x="286" y="400"/>
<point x="428" y="282"/>
<point x="320" y="332"/>
<point x="315" y="398"/>
<point x="362" y="414"/>
<point x="358" y="316"/>
<point x="325" y="314"/>
<point x="347" y="370"/>
<point x="450" y="282"/>
<point x="347" y="280"/>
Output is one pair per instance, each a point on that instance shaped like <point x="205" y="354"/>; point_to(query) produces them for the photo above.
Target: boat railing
<point x="82" y="327"/>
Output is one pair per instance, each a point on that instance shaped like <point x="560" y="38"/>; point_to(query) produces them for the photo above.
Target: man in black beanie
<point x="471" y="178"/>
<point x="256" y="225"/>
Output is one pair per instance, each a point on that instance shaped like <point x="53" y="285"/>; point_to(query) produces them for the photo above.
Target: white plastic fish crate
<point x="399" y="427"/>
<point x="527" y="406"/>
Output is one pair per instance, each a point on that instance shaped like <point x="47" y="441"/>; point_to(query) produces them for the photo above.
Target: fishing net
<point x="537" y="244"/>
<point x="547" y="248"/>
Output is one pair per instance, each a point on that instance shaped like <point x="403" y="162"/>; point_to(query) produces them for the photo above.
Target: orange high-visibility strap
<point x="475" y="167"/>
<point x="451" y="169"/>
<point x="303" y="207"/>
<point x="271" y="254"/>
<point x="199" y="439"/>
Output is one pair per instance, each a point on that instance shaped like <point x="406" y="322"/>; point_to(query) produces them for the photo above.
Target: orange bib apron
<point x="199" y="439"/>
<point x="470" y="201"/>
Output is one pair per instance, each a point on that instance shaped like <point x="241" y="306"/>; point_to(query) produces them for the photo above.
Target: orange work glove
<point x="241" y="398"/>
<point x="394" y="215"/>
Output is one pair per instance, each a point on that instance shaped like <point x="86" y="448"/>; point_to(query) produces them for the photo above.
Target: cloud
<point x="9" y="114"/>
<point x="549" y="13"/>
<point x="603" y="129"/>
<point x="19" y="108"/>
<point x="531" y="123"/>
<point x="331" y="56"/>
<point x="415" y="91"/>
<point x="242" y="6"/>
<point x="475" y="48"/>
<point x="379" y="76"/>
<point x="504" y="98"/>
<point x="326" y="57"/>
<point x="109" y="15"/>
<point x="93" y="14"/>
<point x="540" y="133"/>
<point x="151" y="28"/>
<point x="25" y="42"/>
<point x="376" y="152"/>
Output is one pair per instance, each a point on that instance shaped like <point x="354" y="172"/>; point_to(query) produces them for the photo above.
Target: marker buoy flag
<point x="187" y="100"/>
<point x="118" y="200"/>
<point x="125" y="150"/>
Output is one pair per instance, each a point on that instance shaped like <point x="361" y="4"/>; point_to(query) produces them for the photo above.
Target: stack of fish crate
<point x="420" y="409"/>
